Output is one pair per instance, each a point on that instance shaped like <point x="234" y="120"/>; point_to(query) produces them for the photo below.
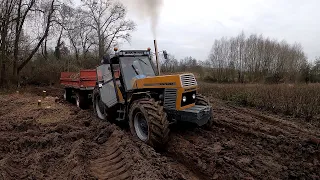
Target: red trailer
<point x="79" y="86"/>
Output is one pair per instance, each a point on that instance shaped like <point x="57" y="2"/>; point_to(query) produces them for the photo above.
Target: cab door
<point x="106" y="85"/>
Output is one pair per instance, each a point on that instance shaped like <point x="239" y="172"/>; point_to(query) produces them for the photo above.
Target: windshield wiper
<point x="134" y="69"/>
<point x="142" y="61"/>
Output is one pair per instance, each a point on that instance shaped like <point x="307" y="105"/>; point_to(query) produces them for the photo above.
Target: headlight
<point x="184" y="99"/>
<point x="194" y="96"/>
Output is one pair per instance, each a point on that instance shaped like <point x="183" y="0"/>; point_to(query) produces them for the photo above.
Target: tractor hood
<point x="168" y="81"/>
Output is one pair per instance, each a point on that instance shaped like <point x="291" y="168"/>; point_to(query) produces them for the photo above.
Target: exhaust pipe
<point x="157" y="58"/>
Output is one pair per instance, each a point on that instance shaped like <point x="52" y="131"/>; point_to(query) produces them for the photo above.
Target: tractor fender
<point x="138" y="95"/>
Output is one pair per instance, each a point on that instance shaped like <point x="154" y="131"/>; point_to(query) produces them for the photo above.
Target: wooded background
<point x="41" y="38"/>
<point x="250" y="59"/>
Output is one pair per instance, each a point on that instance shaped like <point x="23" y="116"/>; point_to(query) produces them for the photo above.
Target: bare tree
<point x="80" y="35"/>
<point x="40" y="30"/>
<point x="6" y="18"/>
<point x="107" y="19"/>
<point x="23" y="9"/>
<point x="255" y="59"/>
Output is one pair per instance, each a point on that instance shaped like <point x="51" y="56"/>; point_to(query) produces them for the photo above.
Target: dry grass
<point x="299" y="100"/>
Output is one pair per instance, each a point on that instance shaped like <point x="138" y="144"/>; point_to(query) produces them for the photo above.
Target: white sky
<point x="189" y="28"/>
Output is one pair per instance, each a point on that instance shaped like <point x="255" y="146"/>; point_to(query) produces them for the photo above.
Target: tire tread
<point x="157" y="120"/>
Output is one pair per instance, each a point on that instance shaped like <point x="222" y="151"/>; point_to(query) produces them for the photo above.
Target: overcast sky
<point x="189" y="28"/>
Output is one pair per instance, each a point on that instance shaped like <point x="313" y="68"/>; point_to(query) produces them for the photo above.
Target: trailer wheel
<point x="67" y="94"/>
<point x="98" y="106"/>
<point x="82" y="100"/>
<point x="201" y="100"/>
<point x="149" y="123"/>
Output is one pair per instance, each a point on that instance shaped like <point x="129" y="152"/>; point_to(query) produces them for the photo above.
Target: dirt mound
<point x="59" y="141"/>
<point x="50" y="150"/>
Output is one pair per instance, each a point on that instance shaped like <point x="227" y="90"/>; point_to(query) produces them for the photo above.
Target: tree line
<point x="251" y="58"/>
<point x="45" y="37"/>
<point x="255" y="59"/>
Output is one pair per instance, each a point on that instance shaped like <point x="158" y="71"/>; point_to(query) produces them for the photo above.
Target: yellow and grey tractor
<point x="130" y="89"/>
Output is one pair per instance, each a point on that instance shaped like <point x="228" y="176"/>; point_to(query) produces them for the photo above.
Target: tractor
<point x="128" y="88"/>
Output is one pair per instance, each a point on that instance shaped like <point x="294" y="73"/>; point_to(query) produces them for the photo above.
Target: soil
<point x="57" y="140"/>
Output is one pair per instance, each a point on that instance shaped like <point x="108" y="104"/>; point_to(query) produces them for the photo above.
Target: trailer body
<point x="79" y="86"/>
<point x="83" y="80"/>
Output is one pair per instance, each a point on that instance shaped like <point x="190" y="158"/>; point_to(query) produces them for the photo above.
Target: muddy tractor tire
<point x="202" y="100"/>
<point x="98" y="106"/>
<point x="82" y="100"/>
<point x="149" y="123"/>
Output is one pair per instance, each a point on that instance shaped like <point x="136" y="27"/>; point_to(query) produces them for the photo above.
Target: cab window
<point x="134" y="68"/>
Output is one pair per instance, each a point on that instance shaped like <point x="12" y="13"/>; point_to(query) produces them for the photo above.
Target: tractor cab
<point x="135" y="65"/>
<point x="117" y="74"/>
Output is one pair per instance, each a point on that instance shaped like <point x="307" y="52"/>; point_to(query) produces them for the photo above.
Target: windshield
<point x="135" y="68"/>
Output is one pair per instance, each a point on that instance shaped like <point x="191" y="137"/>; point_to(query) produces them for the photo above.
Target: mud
<point x="59" y="141"/>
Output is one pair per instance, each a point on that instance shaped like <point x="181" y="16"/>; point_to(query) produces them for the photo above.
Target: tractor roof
<point x="114" y="58"/>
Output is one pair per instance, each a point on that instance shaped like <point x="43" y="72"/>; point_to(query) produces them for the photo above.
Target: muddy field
<point x="59" y="141"/>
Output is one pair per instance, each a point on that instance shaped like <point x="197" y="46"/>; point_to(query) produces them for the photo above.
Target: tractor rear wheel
<point x="67" y="96"/>
<point x="202" y="100"/>
<point x="98" y="106"/>
<point x="149" y="123"/>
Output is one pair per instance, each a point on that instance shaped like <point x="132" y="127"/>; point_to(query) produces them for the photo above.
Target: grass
<point x="298" y="100"/>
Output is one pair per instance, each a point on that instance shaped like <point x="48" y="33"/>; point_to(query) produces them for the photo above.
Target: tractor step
<point x="119" y="119"/>
<point x="121" y="115"/>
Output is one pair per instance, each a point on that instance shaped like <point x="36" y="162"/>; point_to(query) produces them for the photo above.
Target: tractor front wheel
<point x="149" y="123"/>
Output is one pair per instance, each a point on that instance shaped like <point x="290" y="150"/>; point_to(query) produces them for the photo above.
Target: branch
<point x="25" y="62"/>
<point x="37" y="10"/>
<point x="25" y="14"/>
<point x="114" y="35"/>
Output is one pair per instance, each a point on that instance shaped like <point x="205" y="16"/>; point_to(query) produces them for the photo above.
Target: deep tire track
<point x="267" y="124"/>
<point x="279" y="123"/>
<point x="111" y="164"/>
<point x="247" y="146"/>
